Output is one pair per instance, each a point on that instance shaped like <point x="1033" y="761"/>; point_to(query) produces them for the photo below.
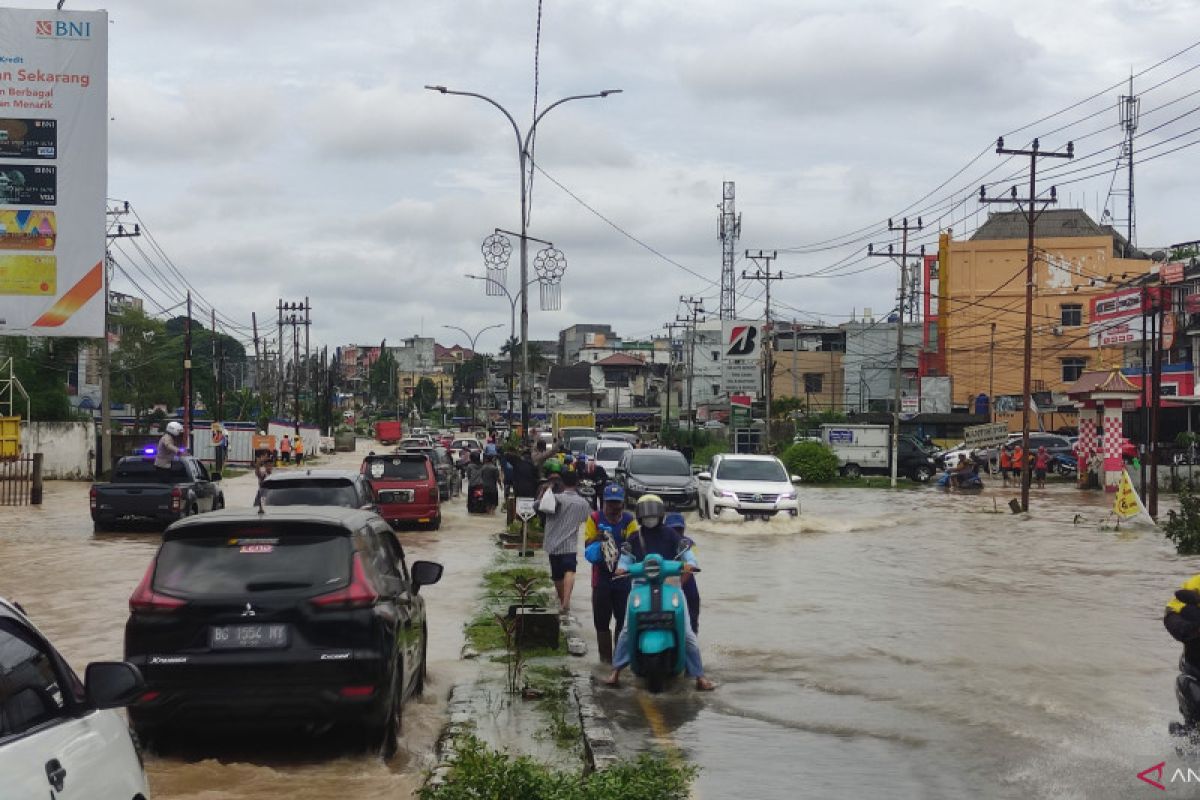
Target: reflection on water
<point x="920" y="644"/>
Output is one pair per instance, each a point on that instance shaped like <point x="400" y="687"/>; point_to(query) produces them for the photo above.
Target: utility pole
<point x="105" y="349"/>
<point x="992" y="377"/>
<point x="729" y="231"/>
<point x="1129" y="110"/>
<point x="671" y="328"/>
<point x="795" y="379"/>
<point x="903" y="257"/>
<point x="213" y="404"/>
<point x="187" y="375"/>
<point x="257" y="363"/>
<point x="695" y="309"/>
<point x="1031" y="207"/>
<point x="764" y="275"/>
<point x="295" y="320"/>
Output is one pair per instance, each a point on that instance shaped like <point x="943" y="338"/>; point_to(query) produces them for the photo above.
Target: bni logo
<point x="62" y="29"/>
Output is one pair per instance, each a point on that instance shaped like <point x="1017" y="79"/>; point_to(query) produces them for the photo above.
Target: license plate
<point x="400" y="496"/>
<point x="247" y="637"/>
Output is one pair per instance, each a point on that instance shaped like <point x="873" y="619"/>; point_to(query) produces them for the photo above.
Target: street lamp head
<point x="607" y="92"/>
<point x="441" y="89"/>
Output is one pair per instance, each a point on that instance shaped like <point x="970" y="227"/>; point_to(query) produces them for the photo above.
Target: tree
<point x="42" y="365"/>
<point x="147" y="365"/>
<point x="382" y="388"/>
<point x="425" y="395"/>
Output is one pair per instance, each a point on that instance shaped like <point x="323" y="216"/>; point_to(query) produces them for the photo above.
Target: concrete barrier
<point x="67" y="448"/>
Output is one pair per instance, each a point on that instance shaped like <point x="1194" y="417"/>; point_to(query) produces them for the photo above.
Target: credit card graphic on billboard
<point x="29" y="275"/>
<point x="27" y="229"/>
<point x="28" y="138"/>
<point x="28" y="185"/>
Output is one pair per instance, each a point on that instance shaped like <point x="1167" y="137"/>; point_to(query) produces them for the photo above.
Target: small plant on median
<point x="814" y="462"/>
<point x="1183" y="527"/>
<point x="479" y="773"/>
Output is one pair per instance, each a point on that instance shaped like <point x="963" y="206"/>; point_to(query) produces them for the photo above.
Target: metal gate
<point x="21" y="480"/>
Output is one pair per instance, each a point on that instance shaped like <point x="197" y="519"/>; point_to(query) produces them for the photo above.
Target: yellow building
<point x="980" y="312"/>
<point x="408" y="381"/>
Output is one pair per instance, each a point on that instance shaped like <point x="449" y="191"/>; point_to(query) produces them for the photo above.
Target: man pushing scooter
<point x="654" y="537"/>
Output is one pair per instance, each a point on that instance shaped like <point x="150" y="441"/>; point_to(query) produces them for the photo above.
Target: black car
<point x="665" y="473"/>
<point x="299" y="617"/>
<point x="317" y="487"/>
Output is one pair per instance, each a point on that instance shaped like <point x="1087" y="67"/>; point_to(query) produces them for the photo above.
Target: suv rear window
<point x="658" y="464"/>
<point x="223" y="565"/>
<point x="310" y="492"/>
<point x="610" y="453"/>
<point x="401" y="469"/>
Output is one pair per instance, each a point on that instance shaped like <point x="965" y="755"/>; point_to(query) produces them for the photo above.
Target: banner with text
<point x="53" y="171"/>
<point x="741" y="356"/>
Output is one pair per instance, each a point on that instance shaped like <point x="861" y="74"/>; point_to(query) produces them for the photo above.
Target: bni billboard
<point x="53" y="171"/>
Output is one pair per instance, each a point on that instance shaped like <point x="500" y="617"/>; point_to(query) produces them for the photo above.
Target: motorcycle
<point x="656" y="619"/>
<point x="587" y="490"/>
<point x="969" y="483"/>
<point x="475" y="504"/>
<point x="1064" y="465"/>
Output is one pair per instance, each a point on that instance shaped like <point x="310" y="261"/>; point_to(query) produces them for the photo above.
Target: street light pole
<point x="523" y="158"/>
<point x="512" y="331"/>
<point x="473" y="339"/>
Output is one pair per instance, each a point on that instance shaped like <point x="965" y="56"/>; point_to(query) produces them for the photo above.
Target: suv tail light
<point x="92" y="498"/>
<point x="434" y="495"/>
<point x="176" y="499"/>
<point x="145" y="600"/>
<point x="360" y="593"/>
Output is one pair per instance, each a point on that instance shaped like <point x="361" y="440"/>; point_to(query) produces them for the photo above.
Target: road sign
<point x="525" y="509"/>
<point x="985" y="435"/>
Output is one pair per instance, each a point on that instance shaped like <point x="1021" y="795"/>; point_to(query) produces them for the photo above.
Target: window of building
<point x="1072" y="368"/>
<point x="716" y="355"/>
<point x="1071" y="314"/>
<point x="716" y="388"/>
<point x="813" y="382"/>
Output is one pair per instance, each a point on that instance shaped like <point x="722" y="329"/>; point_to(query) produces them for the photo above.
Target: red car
<point x="405" y="488"/>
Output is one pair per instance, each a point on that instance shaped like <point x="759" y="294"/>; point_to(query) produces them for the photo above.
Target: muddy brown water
<point x="900" y="645"/>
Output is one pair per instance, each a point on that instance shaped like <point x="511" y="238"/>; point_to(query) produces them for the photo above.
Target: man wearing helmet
<point x="169" y="446"/>
<point x="604" y="533"/>
<point x="655" y="537"/>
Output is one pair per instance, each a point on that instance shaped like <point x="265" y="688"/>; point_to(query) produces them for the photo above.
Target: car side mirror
<point x="796" y="478"/>
<point x="369" y="507"/>
<point x="216" y="476"/>
<point x="112" y="684"/>
<point x="704" y="476"/>
<point x="425" y="573"/>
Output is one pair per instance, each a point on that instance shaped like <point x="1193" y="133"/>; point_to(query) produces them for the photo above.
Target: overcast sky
<point x="287" y="148"/>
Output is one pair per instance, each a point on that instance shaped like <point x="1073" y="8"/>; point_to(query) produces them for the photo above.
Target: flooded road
<point x="912" y="645"/>
<point x="75" y="585"/>
<point x="902" y="644"/>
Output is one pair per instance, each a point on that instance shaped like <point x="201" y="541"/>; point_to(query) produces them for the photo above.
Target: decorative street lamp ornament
<point x="550" y="264"/>
<point x="496" y="251"/>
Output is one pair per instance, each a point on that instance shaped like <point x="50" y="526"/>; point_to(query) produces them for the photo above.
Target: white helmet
<point x="174" y="428"/>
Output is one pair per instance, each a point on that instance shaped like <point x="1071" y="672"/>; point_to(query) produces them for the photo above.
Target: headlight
<point x="788" y="496"/>
<point x="637" y="486"/>
<point x="652" y="569"/>
<point x="723" y="493"/>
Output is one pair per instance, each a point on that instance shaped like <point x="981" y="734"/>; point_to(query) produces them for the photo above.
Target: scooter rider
<point x="603" y="534"/>
<point x="655" y="537"/>
<point x="169" y="446"/>
<point x="1182" y="620"/>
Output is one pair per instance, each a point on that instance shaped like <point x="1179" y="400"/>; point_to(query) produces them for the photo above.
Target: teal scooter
<point x="656" y="619"/>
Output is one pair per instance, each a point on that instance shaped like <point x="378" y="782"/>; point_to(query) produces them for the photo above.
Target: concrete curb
<point x="599" y="735"/>
<point x="459" y="709"/>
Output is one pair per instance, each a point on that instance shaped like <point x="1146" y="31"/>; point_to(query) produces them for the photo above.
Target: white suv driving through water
<point x="754" y="486"/>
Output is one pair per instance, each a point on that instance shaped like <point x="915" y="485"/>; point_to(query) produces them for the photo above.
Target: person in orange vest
<point x="298" y="449"/>
<point x="285" y="449"/>
<point x="1005" y="464"/>
<point x="1018" y="462"/>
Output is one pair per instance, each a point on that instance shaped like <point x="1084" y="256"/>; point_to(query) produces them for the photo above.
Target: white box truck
<point x="864" y="449"/>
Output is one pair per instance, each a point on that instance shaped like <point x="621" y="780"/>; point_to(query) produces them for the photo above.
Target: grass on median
<point x="480" y="773"/>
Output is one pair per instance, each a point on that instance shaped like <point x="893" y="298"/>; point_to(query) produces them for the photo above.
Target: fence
<point x="21" y="481"/>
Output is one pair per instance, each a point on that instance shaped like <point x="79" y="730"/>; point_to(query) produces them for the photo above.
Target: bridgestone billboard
<point x="53" y="171"/>
<point x="741" y="356"/>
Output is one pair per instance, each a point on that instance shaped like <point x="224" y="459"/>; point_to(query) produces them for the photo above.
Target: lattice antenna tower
<point x="729" y="232"/>
<point x="1129" y="110"/>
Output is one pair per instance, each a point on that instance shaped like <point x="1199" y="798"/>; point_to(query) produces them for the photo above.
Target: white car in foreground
<point x="59" y="737"/>
<point x="754" y="486"/>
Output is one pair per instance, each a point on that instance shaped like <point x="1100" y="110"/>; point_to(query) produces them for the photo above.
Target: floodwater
<point x="906" y="644"/>
<point x="75" y="584"/>
<point x="914" y="644"/>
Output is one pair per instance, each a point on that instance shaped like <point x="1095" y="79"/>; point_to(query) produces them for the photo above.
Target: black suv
<point x="665" y="473"/>
<point x="300" y="616"/>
